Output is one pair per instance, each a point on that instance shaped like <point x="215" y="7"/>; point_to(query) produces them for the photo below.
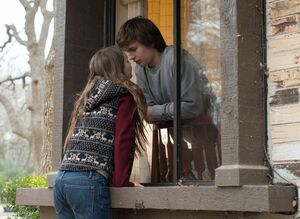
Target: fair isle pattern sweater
<point x="91" y="146"/>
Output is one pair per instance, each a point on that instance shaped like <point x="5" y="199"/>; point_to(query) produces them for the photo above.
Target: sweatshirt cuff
<point x="161" y="113"/>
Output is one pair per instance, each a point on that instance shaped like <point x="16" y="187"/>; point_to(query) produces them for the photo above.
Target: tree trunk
<point x="36" y="100"/>
<point x="48" y="144"/>
<point x="37" y="66"/>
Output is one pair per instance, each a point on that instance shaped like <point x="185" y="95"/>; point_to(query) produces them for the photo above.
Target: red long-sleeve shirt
<point x="124" y="138"/>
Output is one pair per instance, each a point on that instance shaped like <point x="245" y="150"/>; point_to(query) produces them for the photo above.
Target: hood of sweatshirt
<point x="103" y="90"/>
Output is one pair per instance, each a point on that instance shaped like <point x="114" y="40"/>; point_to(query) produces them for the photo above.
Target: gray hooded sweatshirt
<point x="157" y="84"/>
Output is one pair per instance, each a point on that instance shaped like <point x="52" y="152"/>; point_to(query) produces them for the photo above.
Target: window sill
<point x="256" y="198"/>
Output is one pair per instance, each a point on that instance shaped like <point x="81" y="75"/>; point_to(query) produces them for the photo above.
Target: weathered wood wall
<point x="283" y="59"/>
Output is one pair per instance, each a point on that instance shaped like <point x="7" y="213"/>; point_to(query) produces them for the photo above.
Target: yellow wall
<point x="161" y="13"/>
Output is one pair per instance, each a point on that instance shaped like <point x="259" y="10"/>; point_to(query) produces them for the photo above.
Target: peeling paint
<point x="288" y="24"/>
<point x="287" y="96"/>
<point x="282" y="8"/>
<point x="284" y="176"/>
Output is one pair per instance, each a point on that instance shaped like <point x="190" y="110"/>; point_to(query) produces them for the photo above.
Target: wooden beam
<point x="266" y="198"/>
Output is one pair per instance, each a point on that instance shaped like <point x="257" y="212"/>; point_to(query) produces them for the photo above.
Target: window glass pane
<point x="200" y="87"/>
<point x="201" y="134"/>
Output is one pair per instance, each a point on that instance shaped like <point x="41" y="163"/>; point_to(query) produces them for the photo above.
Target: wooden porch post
<point x="82" y="28"/>
<point x="243" y="111"/>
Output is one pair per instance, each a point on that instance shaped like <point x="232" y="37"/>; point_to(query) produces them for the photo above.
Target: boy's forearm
<point x="159" y="113"/>
<point x="165" y="112"/>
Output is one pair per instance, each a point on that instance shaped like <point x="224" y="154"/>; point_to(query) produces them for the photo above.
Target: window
<point x="199" y="149"/>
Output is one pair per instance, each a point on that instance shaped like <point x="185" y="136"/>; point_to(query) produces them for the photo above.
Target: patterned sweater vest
<point x="91" y="146"/>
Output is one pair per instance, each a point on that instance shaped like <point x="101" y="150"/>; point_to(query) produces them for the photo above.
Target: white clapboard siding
<point x="287" y="176"/>
<point x="280" y="8"/>
<point x="285" y="133"/>
<point x="285" y="152"/>
<point x="283" y="62"/>
<point x="283" y="25"/>
<point x="285" y="59"/>
<point x="284" y="114"/>
<point x="281" y="43"/>
<point x="285" y="78"/>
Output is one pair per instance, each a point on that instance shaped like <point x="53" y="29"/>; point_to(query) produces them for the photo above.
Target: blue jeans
<point x="81" y="195"/>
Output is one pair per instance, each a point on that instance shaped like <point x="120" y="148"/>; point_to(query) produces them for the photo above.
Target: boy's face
<point x="127" y="67"/>
<point x="141" y="55"/>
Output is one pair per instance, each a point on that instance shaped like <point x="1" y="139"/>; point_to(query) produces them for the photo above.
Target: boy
<point x="144" y="45"/>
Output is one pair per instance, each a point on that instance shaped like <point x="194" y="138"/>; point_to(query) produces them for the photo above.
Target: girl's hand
<point x="136" y="184"/>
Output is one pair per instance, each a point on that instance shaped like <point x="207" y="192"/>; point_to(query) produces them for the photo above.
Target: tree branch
<point x="7" y="41"/>
<point x="15" y="125"/>
<point x="36" y="4"/>
<point x="48" y="16"/>
<point x="29" y="24"/>
<point x="12" y="32"/>
<point x="25" y="4"/>
<point x="43" y="6"/>
<point x="45" y="29"/>
<point x="12" y="80"/>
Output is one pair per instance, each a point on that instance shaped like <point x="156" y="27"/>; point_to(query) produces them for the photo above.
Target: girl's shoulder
<point x="126" y="105"/>
<point x="127" y="97"/>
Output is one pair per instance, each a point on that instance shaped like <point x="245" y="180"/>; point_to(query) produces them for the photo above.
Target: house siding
<point x="283" y="62"/>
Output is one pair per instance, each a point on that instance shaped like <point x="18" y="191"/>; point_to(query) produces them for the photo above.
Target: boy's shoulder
<point x="168" y="51"/>
<point x="168" y="54"/>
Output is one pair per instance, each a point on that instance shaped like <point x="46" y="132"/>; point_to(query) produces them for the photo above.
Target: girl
<point x="106" y="127"/>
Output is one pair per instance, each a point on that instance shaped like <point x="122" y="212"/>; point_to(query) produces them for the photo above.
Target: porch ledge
<point x="252" y="198"/>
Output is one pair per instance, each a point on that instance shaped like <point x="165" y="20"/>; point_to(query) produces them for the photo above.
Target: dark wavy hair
<point x="142" y="30"/>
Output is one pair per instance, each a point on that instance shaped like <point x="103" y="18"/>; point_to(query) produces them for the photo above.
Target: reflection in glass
<point x="201" y="135"/>
<point x="201" y="88"/>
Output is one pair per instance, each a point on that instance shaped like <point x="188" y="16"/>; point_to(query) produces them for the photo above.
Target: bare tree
<point x="38" y="60"/>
